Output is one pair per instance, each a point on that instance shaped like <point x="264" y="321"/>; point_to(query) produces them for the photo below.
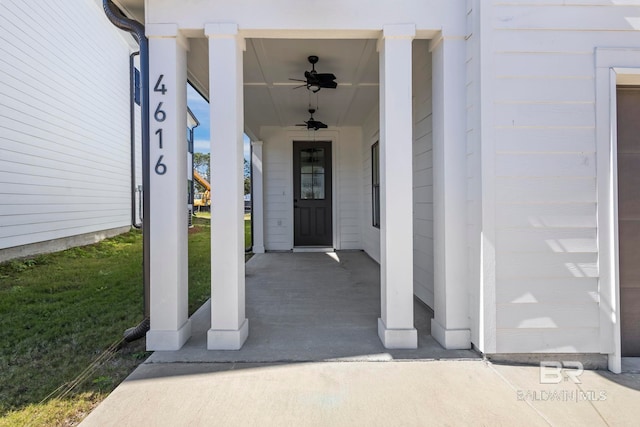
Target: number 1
<point x="159" y="133"/>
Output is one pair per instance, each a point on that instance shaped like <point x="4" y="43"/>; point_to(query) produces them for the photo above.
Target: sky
<point x="200" y="108"/>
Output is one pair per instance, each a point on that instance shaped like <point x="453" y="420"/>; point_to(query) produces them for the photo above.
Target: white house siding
<point x="64" y="122"/>
<point x="278" y="185"/>
<point x="543" y="127"/>
<point x="422" y="174"/>
<point x="370" y="234"/>
<point x="277" y="167"/>
<point x="349" y="197"/>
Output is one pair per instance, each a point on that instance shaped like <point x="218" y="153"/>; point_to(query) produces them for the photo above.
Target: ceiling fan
<point x="315" y="81"/>
<point x="313" y="123"/>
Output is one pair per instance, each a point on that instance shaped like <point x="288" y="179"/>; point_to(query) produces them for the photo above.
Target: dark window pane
<point x="312" y="183"/>
<point x="375" y="184"/>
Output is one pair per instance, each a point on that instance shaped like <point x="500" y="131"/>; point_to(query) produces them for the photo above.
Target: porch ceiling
<point x="269" y="97"/>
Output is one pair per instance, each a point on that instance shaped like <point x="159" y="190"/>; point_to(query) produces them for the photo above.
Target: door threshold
<point x="313" y="249"/>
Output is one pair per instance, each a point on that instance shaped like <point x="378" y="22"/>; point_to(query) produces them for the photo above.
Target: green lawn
<point x="62" y="317"/>
<point x="247" y="226"/>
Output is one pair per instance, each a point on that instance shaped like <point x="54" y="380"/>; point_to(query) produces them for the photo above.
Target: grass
<point x="61" y="321"/>
<point x="247" y="226"/>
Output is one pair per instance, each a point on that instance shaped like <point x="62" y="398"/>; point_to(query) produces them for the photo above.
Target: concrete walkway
<point x="313" y="358"/>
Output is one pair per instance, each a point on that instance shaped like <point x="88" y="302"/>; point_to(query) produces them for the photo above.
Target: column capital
<point x="166" y="31"/>
<point x="399" y="31"/>
<point x="161" y="30"/>
<point x="220" y="29"/>
<point x="224" y="30"/>
<point x="256" y="143"/>
<point x="396" y="32"/>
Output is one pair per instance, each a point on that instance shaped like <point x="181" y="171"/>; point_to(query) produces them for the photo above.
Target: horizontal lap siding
<point x="278" y="196"/>
<point x="370" y="234"/>
<point x="64" y="122"/>
<point x="545" y="169"/>
<point x="348" y="189"/>
<point x="422" y="174"/>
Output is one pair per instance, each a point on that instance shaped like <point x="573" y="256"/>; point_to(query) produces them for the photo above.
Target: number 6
<point x="160" y="115"/>
<point x="161" y="168"/>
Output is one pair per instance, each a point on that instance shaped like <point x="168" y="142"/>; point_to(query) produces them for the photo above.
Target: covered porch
<point x="395" y="166"/>
<point x="311" y="307"/>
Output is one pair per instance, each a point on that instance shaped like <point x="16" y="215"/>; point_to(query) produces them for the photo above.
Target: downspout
<point x="132" y="133"/>
<point x="137" y="30"/>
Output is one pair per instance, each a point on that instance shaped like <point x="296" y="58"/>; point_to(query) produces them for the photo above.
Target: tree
<point x="247" y="177"/>
<point x="202" y="164"/>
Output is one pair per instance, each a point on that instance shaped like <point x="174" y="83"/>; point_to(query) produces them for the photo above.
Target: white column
<point x="170" y="326"/>
<point x="450" y="326"/>
<point x="229" y="327"/>
<point x="257" y="213"/>
<point x="395" y="326"/>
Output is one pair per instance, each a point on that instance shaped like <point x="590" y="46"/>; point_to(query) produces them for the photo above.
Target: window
<point x="312" y="174"/>
<point x="375" y="184"/>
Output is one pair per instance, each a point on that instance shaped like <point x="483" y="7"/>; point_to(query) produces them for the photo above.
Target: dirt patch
<point x="195" y="229"/>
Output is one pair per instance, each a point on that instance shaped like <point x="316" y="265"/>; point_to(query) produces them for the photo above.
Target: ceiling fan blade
<point x="329" y="85"/>
<point x="325" y="76"/>
<point x="316" y="124"/>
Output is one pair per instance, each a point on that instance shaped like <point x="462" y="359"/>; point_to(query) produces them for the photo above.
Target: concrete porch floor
<point x="311" y="307"/>
<point x="322" y="309"/>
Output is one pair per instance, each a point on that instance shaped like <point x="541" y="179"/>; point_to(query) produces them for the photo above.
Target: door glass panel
<point x="318" y="186"/>
<point x="312" y="174"/>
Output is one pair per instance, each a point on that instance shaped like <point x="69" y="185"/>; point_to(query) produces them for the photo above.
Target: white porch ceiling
<point x="269" y="97"/>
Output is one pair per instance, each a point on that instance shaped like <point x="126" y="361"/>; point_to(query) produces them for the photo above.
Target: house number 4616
<point x="160" y="116"/>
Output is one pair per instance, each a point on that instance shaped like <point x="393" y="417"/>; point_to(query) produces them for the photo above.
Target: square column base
<point x="397" y="338"/>
<point x="159" y="340"/>
<point x="258" y="249"/>
<point x="218" y="339"/>
<point x="451" y="339"/>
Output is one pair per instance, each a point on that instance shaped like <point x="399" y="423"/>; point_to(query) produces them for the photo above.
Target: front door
<point x="312" y="209"/>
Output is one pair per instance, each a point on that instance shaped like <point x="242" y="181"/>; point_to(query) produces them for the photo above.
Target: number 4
<point x="160" y="87"/>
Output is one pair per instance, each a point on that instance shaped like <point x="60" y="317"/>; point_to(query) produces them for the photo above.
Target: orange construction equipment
<point x="202" y="200"/>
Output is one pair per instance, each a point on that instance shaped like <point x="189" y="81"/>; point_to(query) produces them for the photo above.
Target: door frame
<point x="297" y="170"/>
<point x="614" y="66"/>
<point x="331" y="137"/>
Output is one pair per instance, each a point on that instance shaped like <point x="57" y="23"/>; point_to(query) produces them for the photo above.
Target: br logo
<point x="553" y="372"/>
